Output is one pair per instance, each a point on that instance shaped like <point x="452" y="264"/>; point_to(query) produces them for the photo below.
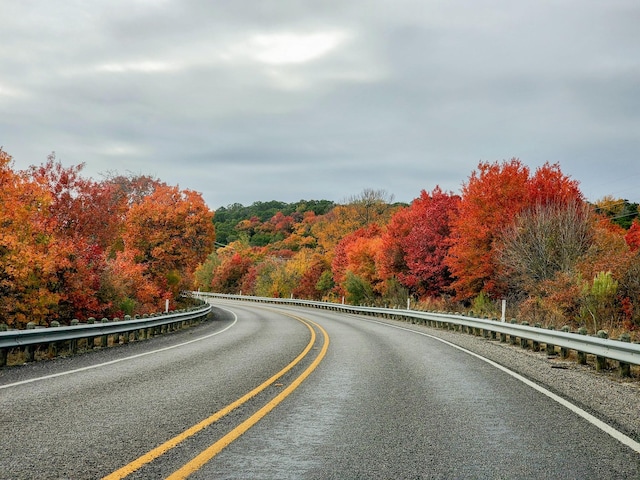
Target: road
<point x="265" y="392"/>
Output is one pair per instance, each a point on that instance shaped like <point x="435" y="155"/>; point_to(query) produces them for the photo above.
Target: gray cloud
<point x="246" y="101"/>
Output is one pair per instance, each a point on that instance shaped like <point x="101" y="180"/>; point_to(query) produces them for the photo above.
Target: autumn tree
<point x="371" y="206"/>
<point x="84" y="219"/>
<point x="629" y="292"/>
<point x="360" y="211"/>
<point x="492" y="198"/>
<point x="29" y="256"/>
<point x="203" y="276"/>
<point x="126" y="288"/>
<point x="619" y="211"/>
<point x="354" y="263"/>
<point x="422" y="236"/>
<point x="632" y="237"/>
<point x="171" y="232"/>
<point x="301" y="237"/>
<point x="230" y="275"/>
<point x="277" y="277"/>
<point x="313" y="283"/>
<point x="392" y="262"/>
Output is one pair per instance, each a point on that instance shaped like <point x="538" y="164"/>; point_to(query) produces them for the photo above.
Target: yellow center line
<point x="173" y="442"/>
<point x="206" y="455"/>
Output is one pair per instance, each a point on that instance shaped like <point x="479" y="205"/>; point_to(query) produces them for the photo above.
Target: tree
<point x="619" y="211"/>
<point x="426" y="246"/>
<point x="360" y="211"/>
<point x="357" y="289"/>
<point x="333" y="227"/>
<point x="231" y="274"/>
<point x="392" y="262"/>
<point x="357" y="254"/>
<point x="126" y="288"/>
<point x="84" y="219"/>
<point x="203" y="276"/>
<point x="310" y="266"/>
<point x="549" y="185"/>
<point x="29" y="256"/>
<point x="632" y="237"/>
<point x="629" y="292"/>
<point x="608" y="252"/>
<point x="275" y="278"/>
<point x="544" y="239"/>
<point x="171" y="232"/>
<point x="492" y="199"/>
<point x="371" y="206"/>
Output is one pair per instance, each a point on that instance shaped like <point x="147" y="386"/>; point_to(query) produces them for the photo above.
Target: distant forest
<point x="622" y="212"/>
<point x="227" y="218"/>
<point x="527" y="236"/>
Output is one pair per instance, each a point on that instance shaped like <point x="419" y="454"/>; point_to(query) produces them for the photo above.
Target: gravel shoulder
<point x="605" y="395"/>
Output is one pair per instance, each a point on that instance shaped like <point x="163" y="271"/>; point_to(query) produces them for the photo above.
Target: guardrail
<point x="97" y="334"/>
<point x="621" y="350"/>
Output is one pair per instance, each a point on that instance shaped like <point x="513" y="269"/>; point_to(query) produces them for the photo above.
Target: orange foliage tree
<point x="29" y="256"/>
<point x="171" y="232"/>
<point x="354" y="265"/>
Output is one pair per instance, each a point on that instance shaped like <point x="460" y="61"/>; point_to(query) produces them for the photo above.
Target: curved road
<point x="378" y="402"/>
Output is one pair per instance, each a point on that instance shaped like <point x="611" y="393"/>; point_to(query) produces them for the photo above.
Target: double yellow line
<point x="206" y="455"/>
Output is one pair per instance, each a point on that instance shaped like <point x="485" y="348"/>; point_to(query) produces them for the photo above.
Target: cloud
<point x="291" y="48"/>
<point x="249" y="101"/>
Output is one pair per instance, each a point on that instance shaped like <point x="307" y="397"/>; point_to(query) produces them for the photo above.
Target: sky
<point x="259" y="100"/>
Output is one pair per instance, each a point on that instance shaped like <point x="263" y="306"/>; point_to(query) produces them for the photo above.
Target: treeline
<point x="526" y="236"/>
<point x="233" y="221"/>
<point x="71" y="247"/>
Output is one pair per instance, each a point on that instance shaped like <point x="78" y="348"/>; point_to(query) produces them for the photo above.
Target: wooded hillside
<point x="72" y="247"/>
<point x="528" y="237"/>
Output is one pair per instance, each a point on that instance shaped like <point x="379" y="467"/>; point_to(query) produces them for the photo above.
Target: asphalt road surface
<point x="275" y="392"/>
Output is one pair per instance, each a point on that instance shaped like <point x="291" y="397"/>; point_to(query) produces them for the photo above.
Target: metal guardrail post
<point x="582" y="356"/>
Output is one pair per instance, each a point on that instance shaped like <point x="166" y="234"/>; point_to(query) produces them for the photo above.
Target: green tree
<point x="598" y="299"/>
<point x="358" y="290"/>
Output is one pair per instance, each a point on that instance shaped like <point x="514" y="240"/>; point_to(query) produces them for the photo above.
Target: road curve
<point x="392" y="403"/>
<point x="382" y="403"/>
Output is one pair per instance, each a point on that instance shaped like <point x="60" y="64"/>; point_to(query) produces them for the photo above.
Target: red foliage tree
<point x="231" y="275"/>
<point x="491" y="199"/>
<point x="549" y="185"/>
<point x="392" y="261"/>
<point x="416" y="242"/>
<point x="308" y="284"/>
<point x="632" y="236"/>
<point x="427" y="244"/>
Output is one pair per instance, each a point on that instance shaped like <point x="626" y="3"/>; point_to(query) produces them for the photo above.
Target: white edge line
<point x="111" y="362"/>
<point x="606" y="428"/>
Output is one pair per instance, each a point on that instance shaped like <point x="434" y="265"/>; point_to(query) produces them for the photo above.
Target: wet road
<point x="379" y="402"/>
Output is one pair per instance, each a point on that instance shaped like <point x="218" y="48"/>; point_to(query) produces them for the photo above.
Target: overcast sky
<point x="254" y="100"/>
